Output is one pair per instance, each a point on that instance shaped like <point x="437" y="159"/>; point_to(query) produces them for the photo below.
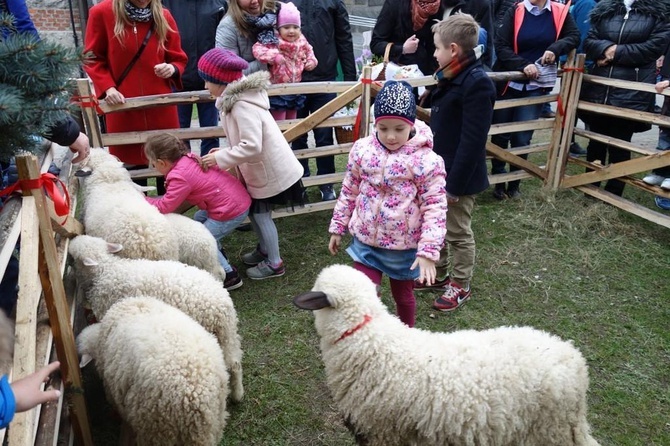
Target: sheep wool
<point x="162" y="371"/>
<point x="400" y="386"/>
<point x="105" y="279"/>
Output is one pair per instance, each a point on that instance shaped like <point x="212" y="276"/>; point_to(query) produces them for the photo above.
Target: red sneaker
<point x="453" y="297"/>
<point x="439" y="285"/>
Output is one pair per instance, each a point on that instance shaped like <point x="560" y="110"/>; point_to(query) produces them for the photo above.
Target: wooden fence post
<point x="88" y="102"/>
<point x="57" y="306"/>
<point x="365" y="102"/>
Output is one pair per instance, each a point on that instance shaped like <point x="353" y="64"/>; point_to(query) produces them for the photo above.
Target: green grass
<point x="566" y="264"/>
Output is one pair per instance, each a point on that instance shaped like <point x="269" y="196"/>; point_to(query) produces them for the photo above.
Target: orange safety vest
<point x="558" y="10"/>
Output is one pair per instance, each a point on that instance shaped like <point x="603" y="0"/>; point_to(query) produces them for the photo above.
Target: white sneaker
<point x="666" y="184"/>
<point x="653" y="179"/>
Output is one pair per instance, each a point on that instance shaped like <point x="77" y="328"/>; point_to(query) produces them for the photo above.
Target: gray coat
<point x="230" y="38"/>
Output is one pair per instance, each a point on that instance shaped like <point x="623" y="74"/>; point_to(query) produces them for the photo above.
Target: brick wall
<point x="54" y="19"/>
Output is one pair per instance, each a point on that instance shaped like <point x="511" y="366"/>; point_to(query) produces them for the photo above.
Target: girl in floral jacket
<point x="393" y="200"/>
<point x="287" y="57"/>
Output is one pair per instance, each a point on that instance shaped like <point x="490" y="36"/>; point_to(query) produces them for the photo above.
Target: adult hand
<point x="164" y="70"/>
<point x="609" y="53"/>
<point x="114" y="97"/>
<point x="27" y="390"/>
<point x="548" y="58"/>
<point x="660" y="86"/>
<point x="427" y="271"/>
<point x="410" y="46"/>
<point x="531" y="71"/>
<point x="81" y="147"/>
<point x="208" y="160"/>
<point x="334" y="244"/>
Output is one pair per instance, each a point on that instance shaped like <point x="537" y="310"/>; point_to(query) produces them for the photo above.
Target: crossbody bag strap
<point x="135" y="58"/>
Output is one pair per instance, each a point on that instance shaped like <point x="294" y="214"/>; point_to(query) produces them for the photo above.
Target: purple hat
<point x="288" y="15"/>
<point x="221" y="66"/>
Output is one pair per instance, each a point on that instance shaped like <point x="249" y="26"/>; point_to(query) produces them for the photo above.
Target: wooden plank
<point x="89" y="115"/>
<point x="504" y="155"/>
<point x="620" y="143"/>
<point x="12" y="215"/>
<point x="616" y="170"/>
<point x="71" y="227"/>
<point x="54" y="294"/>
<point x="509" y="176"/>
<point x="627" y="205"/>
<point x="512" y="127"/>
<point x="620" y="112"/>
<point x="510" y="103"/>
<point x="365" y="101"/>
<point x="317" y="180"/>
<point x="307" y="209"/>
<point x="23" y="425"/>
<point x="628" y="85"/>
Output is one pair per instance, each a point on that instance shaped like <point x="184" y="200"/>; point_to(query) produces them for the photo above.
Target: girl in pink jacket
<point x="287" y="59"/>
<point x="393" y="200"/>
<point x="222" y="199"/>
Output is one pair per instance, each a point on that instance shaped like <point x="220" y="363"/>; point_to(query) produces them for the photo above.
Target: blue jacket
<point x="22" y="20"/>
<point x="7" y="403"/>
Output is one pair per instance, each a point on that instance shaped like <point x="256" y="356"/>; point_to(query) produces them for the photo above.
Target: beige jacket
<point x="257" y="146"/>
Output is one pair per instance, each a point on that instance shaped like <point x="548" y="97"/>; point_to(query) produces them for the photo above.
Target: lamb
<point x="402" y="386"/>
<point x="161" y="370"/>
<point x="106" y="278"/>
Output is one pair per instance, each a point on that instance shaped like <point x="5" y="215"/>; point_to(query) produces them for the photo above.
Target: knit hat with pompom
<point x="221" y="66"/>
<point x="395" y="100"/>
<point x="288" y="15"/>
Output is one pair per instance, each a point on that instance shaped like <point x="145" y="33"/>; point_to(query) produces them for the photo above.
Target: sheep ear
<point x="87" y="261"/>
<point x="113" y="248"/>
<point x="85" y="359"/>
<point x="311" y="300"/>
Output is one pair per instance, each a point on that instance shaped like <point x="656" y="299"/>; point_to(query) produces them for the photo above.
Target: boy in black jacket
<point x="461" y="114"/>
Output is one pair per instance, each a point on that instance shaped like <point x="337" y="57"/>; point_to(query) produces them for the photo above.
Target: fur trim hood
<point x="604" y="9"/>
<point x="252" y="88"/>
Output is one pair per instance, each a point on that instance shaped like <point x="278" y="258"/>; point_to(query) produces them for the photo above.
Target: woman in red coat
<point x="114" y="34"/>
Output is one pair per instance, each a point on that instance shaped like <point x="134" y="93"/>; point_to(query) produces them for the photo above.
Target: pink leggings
<point x="280" y="115"/>
<point x="401" y="290"/>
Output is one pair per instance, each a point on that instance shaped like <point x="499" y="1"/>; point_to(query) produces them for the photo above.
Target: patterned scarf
<point x="458" y="64"/>
<point x="265" y="26"/>
<point x="422" y="10"/>
<point x="136" y="14"/>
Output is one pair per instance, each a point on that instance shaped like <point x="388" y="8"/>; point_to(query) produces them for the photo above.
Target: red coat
<point x="110" y="59"/>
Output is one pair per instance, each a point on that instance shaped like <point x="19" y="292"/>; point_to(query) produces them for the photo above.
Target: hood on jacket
<point x="422" y="139"/>
<point x="659" y="9"/>
<point x="252" y="89"/>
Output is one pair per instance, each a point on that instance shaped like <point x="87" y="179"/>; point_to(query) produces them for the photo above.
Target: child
<point x="222" y="200"/>
<point x="461" y="114"/>
<point x="392" y="200"/>
<point x="258" y="148"/>
<point x="287" y="59"/>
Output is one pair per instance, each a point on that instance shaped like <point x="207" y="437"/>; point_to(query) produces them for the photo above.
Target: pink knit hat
<point x="221" y="66"/>
<point x="288" y="15"/>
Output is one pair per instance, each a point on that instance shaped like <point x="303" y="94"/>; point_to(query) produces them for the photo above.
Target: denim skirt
<point x="395" y="263"/>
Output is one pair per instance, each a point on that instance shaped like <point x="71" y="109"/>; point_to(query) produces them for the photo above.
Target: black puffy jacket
<point x="641" y="36"/>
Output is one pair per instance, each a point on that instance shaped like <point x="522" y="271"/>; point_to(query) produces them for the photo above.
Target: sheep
<point x="397" y="385"/>
<point x="161" y="370"/>
<point x="106" y="278"/>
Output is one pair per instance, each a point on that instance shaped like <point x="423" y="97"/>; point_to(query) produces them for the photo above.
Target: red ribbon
<point x="357" y="123"/>
<point x="89" y="102"/>
<point x="367" y="318"/>
<point x="50" y="184"/>
<point x="568" y="69"/>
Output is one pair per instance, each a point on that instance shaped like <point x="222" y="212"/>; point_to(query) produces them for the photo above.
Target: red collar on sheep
<point x="367" y="318"/>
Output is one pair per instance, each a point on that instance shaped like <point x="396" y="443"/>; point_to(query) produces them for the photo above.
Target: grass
<point x="566" y="264"/>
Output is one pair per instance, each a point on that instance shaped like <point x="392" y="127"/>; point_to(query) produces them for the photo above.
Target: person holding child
<point x="393" y="200"/>
<point x="222" y="200"/>
<point x="461" y="114"/>
<point x="287" y="59"/>
<point x="258" y="150"/>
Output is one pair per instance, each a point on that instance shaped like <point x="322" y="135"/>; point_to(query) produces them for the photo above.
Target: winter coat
<point x="230" y="38"/>
<point x="286" y="60"/>
<point x="461" y="115"/>
<point x="257" y="146"/>
<point x="215" y="191"/>
<point x="197" y="21"/>
<point x="500" y="8"/>
<point x="325" y="25"/>
<point x="7" y="402"/>
<point x="581" y="12"/>
<point x="394" y="199"/>
<point x="22" y="21"/>
<point x="641" y="37"/>
<point x="110" y="57"/>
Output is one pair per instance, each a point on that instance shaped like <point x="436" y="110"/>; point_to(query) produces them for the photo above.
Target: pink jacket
<point x="286" y="60"/>
<point x="394" y="199"/>
<point x="215" y="191"/>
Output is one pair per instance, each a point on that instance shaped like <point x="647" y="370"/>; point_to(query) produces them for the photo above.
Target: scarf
<point x="422" y="10"/>
<point x="136" y="14"/>
<point x="265" y="26"/>
<point x="458" y="64"/>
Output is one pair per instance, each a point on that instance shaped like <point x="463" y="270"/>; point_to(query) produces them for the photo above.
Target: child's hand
<point x="208" y="160"/>
<point x="27" y="390"/>
<point x="427" y="271"/>
<point x="279" y="60"/>
<point x="310" y="65"/>
<point x="334" y="244"/>
<point x="660" y="86"/>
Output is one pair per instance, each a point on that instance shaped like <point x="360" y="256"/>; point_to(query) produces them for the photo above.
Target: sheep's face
<point x="104" y="168"/>
<point x="87" y="344"/>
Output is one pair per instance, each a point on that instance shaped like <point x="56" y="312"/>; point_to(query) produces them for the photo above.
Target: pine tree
<point x="34" y="88"/>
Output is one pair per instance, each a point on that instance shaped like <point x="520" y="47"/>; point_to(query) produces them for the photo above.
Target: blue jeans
<point x="322" y="136"/>
<point x="208" y="116"/>
<point x="220" y="229"/>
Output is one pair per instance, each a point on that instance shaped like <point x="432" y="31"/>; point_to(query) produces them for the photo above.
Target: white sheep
<point x="161" y="370"/>
<point x="106" y="278"/>
<point x="396" y="385"/>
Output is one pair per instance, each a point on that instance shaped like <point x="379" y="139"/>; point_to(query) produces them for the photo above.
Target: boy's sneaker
<point x="254" y="257"/>
<point x="438" y="285"/>
<point x="663" y="203"/>
<point x="653" y="180"/>
<point x="265" y="271"/>
<point x="666" y="184"/>
<point x="233" y="280"/>
<point x="454" y="297"/>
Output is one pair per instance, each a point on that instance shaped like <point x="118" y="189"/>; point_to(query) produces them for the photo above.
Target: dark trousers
<point x="322" y="136"/>
<point x="208" y="116"/>
<point x="606" y="154"/>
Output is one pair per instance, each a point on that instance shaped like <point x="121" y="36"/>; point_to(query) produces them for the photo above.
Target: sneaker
<point x="577" y="150"/>
<point x="514" y="194"/>
<point x="666" y="184"/>
<point x="438" y="285"/>
<point x="454" y="297"/>
<point x="254" y="257"/>
<point x="653" y="179"/>
<point x="499" y="194"/>
<point x="663" y="203"/>
<point x="327" y="193"/>
<point x="265" y="271"/>
<point x="233" y="280"/>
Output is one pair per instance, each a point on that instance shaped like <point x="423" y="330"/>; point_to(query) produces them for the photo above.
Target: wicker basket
<point x="343" y="135"/>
